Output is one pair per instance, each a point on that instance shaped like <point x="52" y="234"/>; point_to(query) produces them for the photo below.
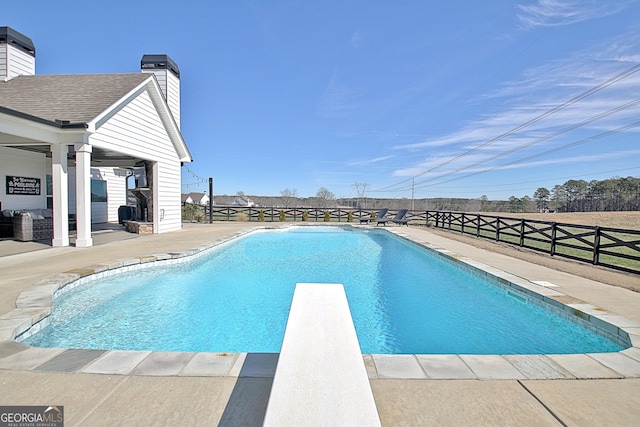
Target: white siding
<point x="116" y="192"/>
<point x="170" y="85"/>
<point x="14" y="162"/>
<point x="116" y="195"/>
<point x="3" y="61"/>
<point x="15" y="62"/>
<point x="137" y="130"/>
<point x="173" y="96"/>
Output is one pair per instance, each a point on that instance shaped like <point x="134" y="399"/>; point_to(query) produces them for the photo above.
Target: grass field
<point x="626" y="220"/>
<point x="619" y="220"/>
<point x="615" y="248"/>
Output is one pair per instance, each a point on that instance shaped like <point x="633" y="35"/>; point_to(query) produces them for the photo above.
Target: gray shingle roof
<point x="78" y="98"/>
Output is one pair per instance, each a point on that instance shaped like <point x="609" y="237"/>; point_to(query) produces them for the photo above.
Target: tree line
<point x="614" y="194"/>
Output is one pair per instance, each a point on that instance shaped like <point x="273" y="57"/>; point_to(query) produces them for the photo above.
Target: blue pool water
<point x="237" y="298"/>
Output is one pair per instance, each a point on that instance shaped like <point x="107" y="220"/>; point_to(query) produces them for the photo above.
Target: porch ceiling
<point x="99" y="157"/>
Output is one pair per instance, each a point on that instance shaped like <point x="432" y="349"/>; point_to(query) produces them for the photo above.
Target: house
<point x="79" y="143"/>
<point x="196" y="199"/>
<point x="243" y="201"/>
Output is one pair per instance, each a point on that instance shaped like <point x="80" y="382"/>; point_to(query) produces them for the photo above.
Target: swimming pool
<point x="236" y="299"/>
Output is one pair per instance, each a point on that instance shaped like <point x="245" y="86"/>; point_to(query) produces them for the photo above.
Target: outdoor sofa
<point x="26" y="225"/>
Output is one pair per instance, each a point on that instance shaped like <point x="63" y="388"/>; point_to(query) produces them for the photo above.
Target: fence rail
<point x="610" y="247"/>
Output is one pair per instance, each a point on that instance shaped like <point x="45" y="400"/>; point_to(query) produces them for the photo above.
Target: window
<point x="49" y="190"/>
<point x="98" y="190"/>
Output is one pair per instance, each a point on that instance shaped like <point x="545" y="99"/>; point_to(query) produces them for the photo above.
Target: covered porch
<point x="58" y="164"/>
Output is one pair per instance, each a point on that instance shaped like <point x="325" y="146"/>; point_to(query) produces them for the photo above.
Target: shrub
<point x="327" y="216"/>
<point x="192" y="213"/>
<point x="261" y="216"/>
<point x="350" y="217"/>
<point x="305" y="216"/>
<point x="283" y="217"/>
<point x="241" y="216"/>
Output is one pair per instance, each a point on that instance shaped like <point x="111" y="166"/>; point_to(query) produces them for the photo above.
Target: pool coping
<point x="35" y="303"/>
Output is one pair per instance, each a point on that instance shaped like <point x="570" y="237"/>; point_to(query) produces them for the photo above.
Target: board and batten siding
<point x="14" y="62"/>
<point x="137" y="130"/>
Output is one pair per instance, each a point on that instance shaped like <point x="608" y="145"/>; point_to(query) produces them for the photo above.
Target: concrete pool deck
<point x="140" y="388"/>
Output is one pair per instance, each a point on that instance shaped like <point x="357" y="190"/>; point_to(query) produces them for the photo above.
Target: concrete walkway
<point x="222" y="389"/>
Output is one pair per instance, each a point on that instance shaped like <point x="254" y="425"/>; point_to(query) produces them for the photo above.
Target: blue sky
<point x="452" y="99"/>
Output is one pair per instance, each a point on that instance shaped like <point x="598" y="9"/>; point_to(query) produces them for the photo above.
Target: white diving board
<point x="320" y="378"/>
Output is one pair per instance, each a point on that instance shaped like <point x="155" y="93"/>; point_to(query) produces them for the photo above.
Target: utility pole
<point x="361" y="188"/>
<point x="413" y="192"/>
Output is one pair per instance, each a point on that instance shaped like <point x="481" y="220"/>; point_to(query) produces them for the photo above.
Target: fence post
<point x="497" y="229"/>
<point x="478" y="226"/>
<point x="462" y="224"/>
<point x="552" y="250"/>
<point x="522" y="232"/>
<point x="596" y="246"/>
<point x="449" y="220"/>
<point x="210" y="200"/>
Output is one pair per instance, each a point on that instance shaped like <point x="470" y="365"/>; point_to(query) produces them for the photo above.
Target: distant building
<point x="243" y="201"/>
<point x="196" y="199"/>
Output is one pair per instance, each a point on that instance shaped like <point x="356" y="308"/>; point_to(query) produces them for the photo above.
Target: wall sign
<point x="20" y="185"/>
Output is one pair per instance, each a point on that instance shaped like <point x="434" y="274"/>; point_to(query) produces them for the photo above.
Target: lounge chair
<point x="380" y="216"/>
<point x="400" y="217"/>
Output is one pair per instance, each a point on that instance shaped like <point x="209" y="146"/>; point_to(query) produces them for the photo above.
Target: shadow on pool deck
<point x="250" y="396"/>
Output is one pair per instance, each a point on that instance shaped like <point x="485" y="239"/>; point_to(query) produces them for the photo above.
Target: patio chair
<point x="380" y="216"/>
<point x="397" y="219"/>
<point x="400" y="218"/>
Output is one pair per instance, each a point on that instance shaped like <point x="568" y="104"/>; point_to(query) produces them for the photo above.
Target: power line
<point x="543" y="180"/>
<point x="533" y="182"/>
<point x="547" y="137"/>
<point x="546" y="114"/>
<point x="572" y="144"/>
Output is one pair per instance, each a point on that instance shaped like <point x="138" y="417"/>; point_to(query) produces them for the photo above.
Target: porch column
<point x="60" y="195"/>
<point x="83" y="195"/>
